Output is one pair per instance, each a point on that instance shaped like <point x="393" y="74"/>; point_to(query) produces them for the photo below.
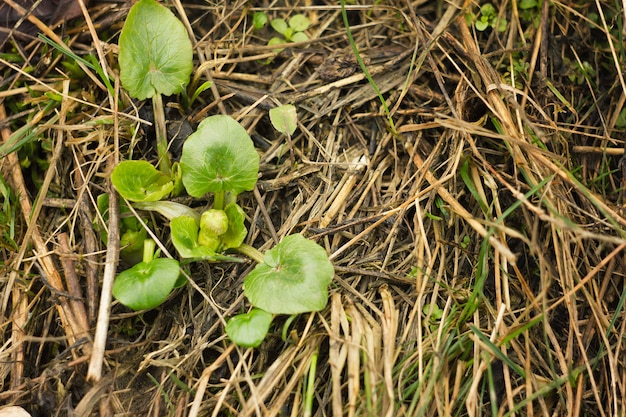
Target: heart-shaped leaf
<point x="140" y="181"/>
<point x="147" y="284"/>
<point x="219" y="156"/>
<point x="156" y="55"/>
<point x="249" y="329"/>
<point x="292" y="279"/>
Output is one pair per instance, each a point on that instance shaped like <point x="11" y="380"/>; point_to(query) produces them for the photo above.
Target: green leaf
<point x="527" y="4"/>
<point x="203" y="87"/>
<point x="219" y="156"/>
<point x="140" y="181"/>
<point x="299" y="37"/>
<point x="146" y="285"/>
<point x="284" y="119"/>
<point x="249" y="329"/>
<point x="276" y="41"/>
<point x="299" y="22"/>
<point x="292" y="279"/>
<point x="185" y="239"/>
<point x="185" y="232"/>
<point x="288" y="34"/>
<point x="156" y="55"/>
<point x="481" y="25"/>
<point x="279" y="25"/>
<point x="237" y="232"/>
<point x="259" y="20"/>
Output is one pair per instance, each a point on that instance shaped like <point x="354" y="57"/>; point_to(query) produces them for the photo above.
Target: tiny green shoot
<point x="292" y="30"/>
<point x="285" y="119"/>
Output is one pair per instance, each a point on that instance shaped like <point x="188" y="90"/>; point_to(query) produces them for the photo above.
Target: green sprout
<point x="292" y="30"/>
<point x="487" y="18"/>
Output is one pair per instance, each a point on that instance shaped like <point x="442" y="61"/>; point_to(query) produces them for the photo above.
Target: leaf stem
<point x="165" y="165"/>
<point x="149" y="247"/>
<point x="250" y="252"/>
<point x="218" y="200"/>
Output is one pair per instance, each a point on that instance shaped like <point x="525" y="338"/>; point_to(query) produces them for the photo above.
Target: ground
<point x="460" y="163"/>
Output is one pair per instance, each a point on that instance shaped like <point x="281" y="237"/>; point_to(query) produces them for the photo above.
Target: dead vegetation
<point x="476" y="230"/>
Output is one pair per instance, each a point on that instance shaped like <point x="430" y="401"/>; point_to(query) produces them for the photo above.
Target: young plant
<point x="487" y="18"/>
<point x="156" y="58"/>
<point x="219" y="158"/>
<point x="291" y="30"/>
<point x="285" y="120"/>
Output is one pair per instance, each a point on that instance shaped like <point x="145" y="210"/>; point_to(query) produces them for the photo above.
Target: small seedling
<point x="291" y="30"/>
<point x="285" y="120"/>
<point x="487" y="18"/>
<point x="219" y="158"/>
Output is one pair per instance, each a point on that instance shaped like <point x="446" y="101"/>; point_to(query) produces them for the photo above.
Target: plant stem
<point x="149" y="246"/>
<point x="165" y="165"/>
<point x="218" y="200"/>
<point x="250" y="252"/>
<point x="310" y="386"/>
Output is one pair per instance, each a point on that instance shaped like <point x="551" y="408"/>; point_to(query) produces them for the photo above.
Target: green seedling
<point x="487" y="18"/>
<point x="220" y="159"/>
<point x="285" y="120"/>
<point x="292" y="30"/>
<point x="156" y="59"/>
<point x="147" y="284"/>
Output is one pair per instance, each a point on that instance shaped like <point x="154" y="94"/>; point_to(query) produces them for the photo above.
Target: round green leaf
<point x="284" y="119"/>
<point x="146" y="285"/>
<point x="259" y="19"/>
<point x="249" y="329"/>
<point x="299" y="37"/>
<point x="292" y="279"/>
<point x="299" y="22"/>
<point x="276" y="41"/>
<point x="279" y="25"/>
<point x="156" y="55"/>
<point x="219" y="156"/>
<point x="139" y="181"/>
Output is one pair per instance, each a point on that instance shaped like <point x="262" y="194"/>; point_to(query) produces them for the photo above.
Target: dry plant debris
<point x="477" y="230"/>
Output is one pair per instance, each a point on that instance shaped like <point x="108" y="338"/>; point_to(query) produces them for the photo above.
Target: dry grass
<point x="478" y="241"/>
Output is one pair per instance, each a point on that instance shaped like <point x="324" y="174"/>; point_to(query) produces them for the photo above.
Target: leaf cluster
<point x="218" y="160"/>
